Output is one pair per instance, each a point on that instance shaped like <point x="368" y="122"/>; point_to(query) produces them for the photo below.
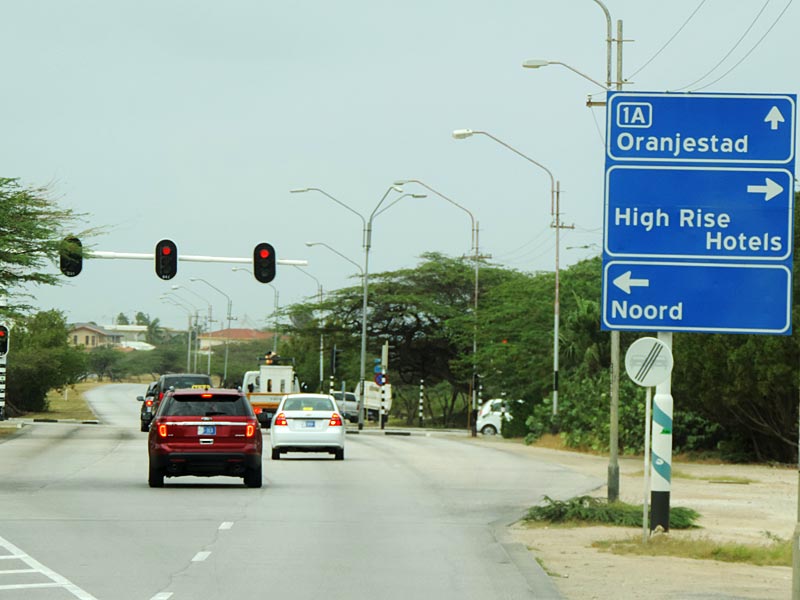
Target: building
<point x="91" y="336"/>
<point x="217" y="338"/>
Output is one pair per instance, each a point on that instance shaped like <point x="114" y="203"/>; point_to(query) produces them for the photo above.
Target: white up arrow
<point x="774" y="117"/>
<point x="770" y="189"/>
<point x="625" y="282"/>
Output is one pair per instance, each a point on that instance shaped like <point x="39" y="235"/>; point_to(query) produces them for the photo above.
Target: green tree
<point x="32" y="228"/>
<point x="39" y="360"/>
<point x="122" y="319"/>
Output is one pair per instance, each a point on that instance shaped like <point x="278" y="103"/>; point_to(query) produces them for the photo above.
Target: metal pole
<point x="647" y="428"/>
<point x="556" y="304"/>
<point x="422" y="404"/>
<point x="365" y="291"/>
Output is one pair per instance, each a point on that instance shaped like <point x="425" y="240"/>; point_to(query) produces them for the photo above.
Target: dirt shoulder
<point x="761" y="505"/>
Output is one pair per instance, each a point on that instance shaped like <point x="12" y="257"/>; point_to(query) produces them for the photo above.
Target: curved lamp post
<point x="555" y="191"/>
<point x="367" y="243"/>
<point x="228" y="330"/>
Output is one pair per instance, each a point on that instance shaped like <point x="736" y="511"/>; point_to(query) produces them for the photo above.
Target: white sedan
<point x="307" y="423"/>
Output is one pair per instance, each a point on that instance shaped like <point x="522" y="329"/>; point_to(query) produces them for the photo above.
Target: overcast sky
<point x="193" y="120"/>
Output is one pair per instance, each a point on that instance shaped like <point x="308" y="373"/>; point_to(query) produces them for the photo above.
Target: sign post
<point x="648" y="362"/>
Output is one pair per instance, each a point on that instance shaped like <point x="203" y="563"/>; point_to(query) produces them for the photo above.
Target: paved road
<point x="401" y="517"/>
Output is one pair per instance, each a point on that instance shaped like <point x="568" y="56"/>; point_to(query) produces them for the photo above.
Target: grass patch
<point x="586" y="509"/>
<point x="713" y="478"/>
<point x="776" y="553"/>
<point x="73" y="406"/>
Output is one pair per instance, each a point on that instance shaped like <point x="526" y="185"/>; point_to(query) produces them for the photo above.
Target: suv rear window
<point x="205" y="405"/>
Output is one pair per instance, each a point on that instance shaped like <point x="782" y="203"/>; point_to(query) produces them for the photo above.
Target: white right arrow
<point x="625" y="282"/>
<point x="770" y="189"/>
<point x="774" y="117"/>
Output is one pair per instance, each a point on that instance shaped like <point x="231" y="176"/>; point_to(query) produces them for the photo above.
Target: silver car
<point x="307" y="423"/>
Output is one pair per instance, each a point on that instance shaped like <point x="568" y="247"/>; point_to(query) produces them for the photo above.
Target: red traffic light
<point x="3" y="340"/>
<point x="166" y="259"/>
<point x="264" y="262"/>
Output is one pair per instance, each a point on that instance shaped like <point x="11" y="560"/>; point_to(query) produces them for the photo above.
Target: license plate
<point x="206" y="430"/>
<point x="310" y="424"/>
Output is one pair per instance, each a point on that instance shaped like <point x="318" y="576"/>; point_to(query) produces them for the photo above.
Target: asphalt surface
<point x="403" y="516"/>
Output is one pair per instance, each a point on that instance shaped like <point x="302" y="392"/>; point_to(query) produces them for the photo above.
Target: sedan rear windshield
<point x="203" y="406"/>
<point x="303" y="403"/>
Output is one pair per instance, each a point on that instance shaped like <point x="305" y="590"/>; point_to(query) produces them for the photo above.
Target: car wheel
<point x="276" y="454"/>
<point x="252" y="477"/>
<point x="489" y="430"/>
<point x="339" y="454"/>
<point x="155" y="477"/>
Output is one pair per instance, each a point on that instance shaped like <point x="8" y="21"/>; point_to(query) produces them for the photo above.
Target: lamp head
<point x="299" y="190"/>
<point x="397" y="188"/>
<point x="176" y="287"/>
<point x="309" y="244"/>
<point x="535" y="63"/>
<point x="462" y="134"/>
<point x="419" y="195"/>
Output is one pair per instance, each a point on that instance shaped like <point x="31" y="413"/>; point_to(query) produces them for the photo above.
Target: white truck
<point x="265" y="388"/>
<point x="372" y="402"/>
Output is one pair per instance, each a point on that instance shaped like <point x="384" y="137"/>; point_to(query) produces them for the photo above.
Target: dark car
<point x="148" y="406"/>
<point x="205" y="433"/>
<point x="176" y="381"/>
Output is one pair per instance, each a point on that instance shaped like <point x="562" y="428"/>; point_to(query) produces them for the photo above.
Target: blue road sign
<point x="699" y="212"/>
<point x="703" y="297"/>
<point x="707" y="128"/>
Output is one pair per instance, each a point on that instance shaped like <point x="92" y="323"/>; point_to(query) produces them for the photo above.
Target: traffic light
<point x="335" y="353"/>
<point x="166" y="259"/>
<point x="3" y="340"/>
<point x="264" y="262"/>
<point x="71" y="256"/>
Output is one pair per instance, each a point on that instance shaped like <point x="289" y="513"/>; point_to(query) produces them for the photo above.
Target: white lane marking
<point x="15" y="571"/>
<point x="201" y="556"/>
<point x="162" y="596"/>
<point x="58" y="580"/>
<point x="226" y="525"/>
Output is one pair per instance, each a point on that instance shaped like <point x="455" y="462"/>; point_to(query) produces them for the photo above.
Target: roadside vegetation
<point x="588" y="510"/>
<point x="775" y="552"/>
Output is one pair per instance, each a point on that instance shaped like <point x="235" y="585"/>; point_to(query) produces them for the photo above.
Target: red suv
<point x="205" y="432"/>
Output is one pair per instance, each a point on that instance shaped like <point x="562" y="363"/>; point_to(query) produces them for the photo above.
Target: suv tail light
<point x="250" y="431"/>
<point x="336" y="421"/>
<point x="280" y="421"/>
<point x="160" y="396"/>
<point x="162" y="430"/>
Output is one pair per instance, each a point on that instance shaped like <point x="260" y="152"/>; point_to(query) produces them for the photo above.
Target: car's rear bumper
<point x="205" y="463"/>
<point x="298" y="441"/>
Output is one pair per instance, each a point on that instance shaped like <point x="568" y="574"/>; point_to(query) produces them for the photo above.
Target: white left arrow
<point x="774" y="117"/>
<point x="770" y="189"/>
<point x="625" y="282"/>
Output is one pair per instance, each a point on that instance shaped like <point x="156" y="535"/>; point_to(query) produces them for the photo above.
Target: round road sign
<point x="648" y="361"/>
<point x="381" y="379"/>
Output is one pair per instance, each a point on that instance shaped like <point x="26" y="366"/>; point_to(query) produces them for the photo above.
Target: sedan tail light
<point x="336" y="421"/>
<point x="162" y="430"/>
<point x="280" y="420"/>
<point x="149" y="403"/>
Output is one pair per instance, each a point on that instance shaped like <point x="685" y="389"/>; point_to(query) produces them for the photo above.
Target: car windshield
<point x="180" y="383"/>
<point x="193" y="406"/>
<point x="306" y="403"/>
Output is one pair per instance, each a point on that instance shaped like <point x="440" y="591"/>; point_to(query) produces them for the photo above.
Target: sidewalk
<point x="738" y="503"/>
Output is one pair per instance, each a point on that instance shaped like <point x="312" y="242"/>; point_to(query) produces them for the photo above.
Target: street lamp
<point x="275" y="307"/>
<point x="321" y="341"/>
<point x="534" y="63"/>
<point x="476" y="256"/>
<point x="227" y="331"/>
<point x="167" y="299"/>
<point x="555" y="210"/>
<point x="367" y="243"/>
<point x="210" y="319"/>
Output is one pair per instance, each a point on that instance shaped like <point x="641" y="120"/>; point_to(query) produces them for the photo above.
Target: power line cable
<point x="749" y="52"/>
<point x="668" y="42"/>
<point x="736" y="45"/>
